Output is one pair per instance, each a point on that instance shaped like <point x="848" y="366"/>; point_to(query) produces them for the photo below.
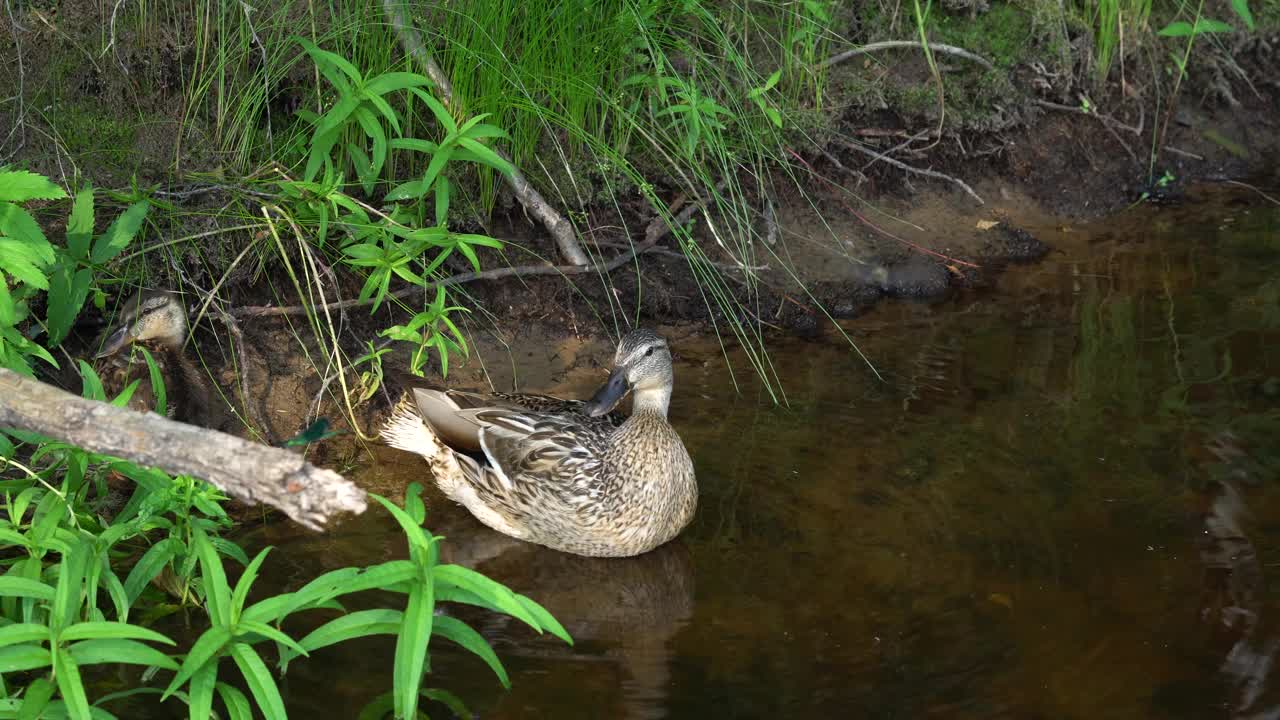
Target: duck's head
<point x="642" y="365"/>
<point x="152" y="315"/>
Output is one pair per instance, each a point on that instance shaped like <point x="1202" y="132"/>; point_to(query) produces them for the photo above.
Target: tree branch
<point x="909" y="168"/>
<point x="245" y="470"/>
<point x="556" y="223"/>
<point x="892" y="44"/>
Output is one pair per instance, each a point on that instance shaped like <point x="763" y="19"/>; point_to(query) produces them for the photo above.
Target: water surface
<point x="1059" y="501"/>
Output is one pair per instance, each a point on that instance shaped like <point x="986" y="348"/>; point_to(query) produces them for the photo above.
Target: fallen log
<point x="245" y="470"/>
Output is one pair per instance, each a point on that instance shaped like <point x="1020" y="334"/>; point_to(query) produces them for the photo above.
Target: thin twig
<point x="911" y="169"/>
<point x="895" y="44"/>
<point x="20" y="124"/>
<point x="555" y="222"/>
<point x="1110" y="123"/>
<point x="1251" y="187"/>
<point x="873" y="226"/>
<point x="494" y="274"/>
<point x="1104" y="119"/>
<point x="1183" y="153"/>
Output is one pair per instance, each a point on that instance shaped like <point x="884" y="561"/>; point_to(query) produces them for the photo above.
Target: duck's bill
<point x="115" y="342"/>
<point x="608" y="396"/>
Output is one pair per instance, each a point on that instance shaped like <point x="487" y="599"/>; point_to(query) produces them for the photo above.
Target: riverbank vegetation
<point x="360" y="172"/>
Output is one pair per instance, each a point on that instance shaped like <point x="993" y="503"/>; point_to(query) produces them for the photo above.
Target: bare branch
<point x="894" y="44"/>
<point x="245" y="470"/>
<point x="555" y="222"/>
<point x="918" y="171"/>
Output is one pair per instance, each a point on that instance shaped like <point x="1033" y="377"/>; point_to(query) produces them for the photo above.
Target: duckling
<point x="156" y="320"/>
<point x="568" y="477"/>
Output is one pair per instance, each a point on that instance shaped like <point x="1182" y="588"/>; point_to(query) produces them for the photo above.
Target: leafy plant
<point x="425" y="332"/>
<point x="697" y="117"/>
<point x="360" y="104"/>
<point x="27" y="258"/>
<point x="35" y="265"/>
<point x="57" y="632"/>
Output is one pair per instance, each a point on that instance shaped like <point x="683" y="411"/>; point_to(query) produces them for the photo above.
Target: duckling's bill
<point x="116" y="342"/>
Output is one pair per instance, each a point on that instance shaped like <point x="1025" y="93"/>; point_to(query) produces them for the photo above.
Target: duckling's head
<point x="153" y="315"/>
<point x="642" y="365"/>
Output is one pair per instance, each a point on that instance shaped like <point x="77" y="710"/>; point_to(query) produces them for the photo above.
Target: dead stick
<point x="556" y="223"/>
<point x="246" y="470"/>
<point x="911" y="169"/>
<point x="656" y="230"/>
<point x="893" y="44"/>
<point x="494" y="274"/>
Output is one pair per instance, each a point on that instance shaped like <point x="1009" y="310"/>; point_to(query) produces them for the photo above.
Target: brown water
<point x="1059" y="502"/>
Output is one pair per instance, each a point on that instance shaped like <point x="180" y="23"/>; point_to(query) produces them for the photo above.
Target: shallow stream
<point x="1057" y="500"/>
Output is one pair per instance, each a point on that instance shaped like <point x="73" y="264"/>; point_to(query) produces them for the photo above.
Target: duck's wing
<point x="544" y="453"/>
<point x="454" y="413"/>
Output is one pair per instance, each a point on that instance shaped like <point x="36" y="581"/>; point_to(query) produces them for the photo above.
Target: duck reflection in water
<point x="624" y="612"/>
<point x="1232" y="577"/>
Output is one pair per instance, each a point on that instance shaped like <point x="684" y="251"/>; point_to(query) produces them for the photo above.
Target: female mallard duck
<point x="158" y="321"/>
<point x="562" y="473"/>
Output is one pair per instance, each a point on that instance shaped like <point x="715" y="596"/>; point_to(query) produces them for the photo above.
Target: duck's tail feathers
<point x="406" y="431"/>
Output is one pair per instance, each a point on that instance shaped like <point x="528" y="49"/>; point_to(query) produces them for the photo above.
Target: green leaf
<point x="67" y="293"/>
<point x="23" y="229"/>
<point x="245" y="582"/>
<point x="120" y="234"/>
<point x="422" y="146"/>
<point x="487" y="156"/>
<point x="373" y="129"/>
<point x="392" y="81"/>
<point x="442" y="115"/>
<point x="324" y="55"/>
<point x="461" y="633"/>
<point x="363" y="623"/>
<point x="111" y="630"/>
<point x="70" y="687"/>
<point x="237" y="704"/>
<point x="206" y="650"/>
<point x="500" y="597"/>
<point x="129" y="652"/>
<point x="200" y="693"/>
<point x="21" y="186"/>
<point x="411" y="647"/>
<point x="337" y="116"/>
<point x="383" y="107"/>
<point x="261" y="686"/>
<point x="80" y="224"/>
<point x="23" y="633"/>
<point x="1209" y="25"/>
<point x="66" y="596"/>
<point x="217" y="595"/>
<point x="16" y="259"/>
<point x="1179" y="28"/>
<point x="149" y="566"/>
<point x="1242" y="10"/>
<point x="442" y="200"/>
<point x="16" y="658"/>
<point x="545" y="619"/>
<point x="449" y="700"/>
<point x="35" y="699"/>
<point x="22" y="587"/>
<point x="8" y="312"/>
<point x="159" y="392"/>
<point x="413" y="532"/>
<point x="436" y="166"/>
<point x="411" y="190"/>
<point x="270" y="633"/>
